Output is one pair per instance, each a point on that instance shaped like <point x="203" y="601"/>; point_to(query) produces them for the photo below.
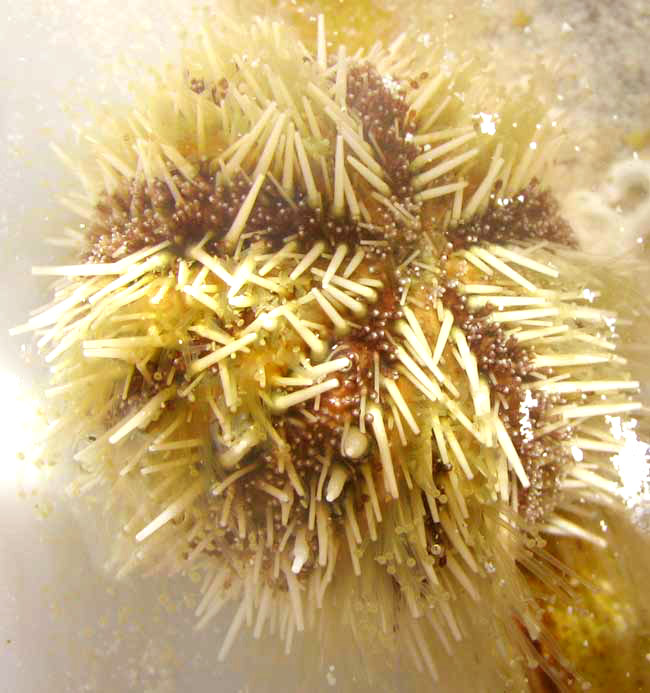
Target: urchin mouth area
<point x="328" y="329"/>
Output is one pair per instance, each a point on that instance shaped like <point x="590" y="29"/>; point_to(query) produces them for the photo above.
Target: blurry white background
<point x="65" y="624"/>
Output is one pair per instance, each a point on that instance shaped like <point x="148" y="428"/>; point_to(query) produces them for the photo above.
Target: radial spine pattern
<point x="327" y="342"/>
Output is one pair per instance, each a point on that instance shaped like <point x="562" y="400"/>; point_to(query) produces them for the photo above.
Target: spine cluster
<point x="326" y="342"/>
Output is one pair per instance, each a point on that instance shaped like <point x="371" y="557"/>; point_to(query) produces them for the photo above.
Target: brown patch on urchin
<point x="143" y="215"/>
<point x="531" y="215"/>
<point x="383" y="111"/>
<point x="509" y="365"/>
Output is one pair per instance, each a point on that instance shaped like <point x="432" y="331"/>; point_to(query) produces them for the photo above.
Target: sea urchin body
<point x="327" y="341"/>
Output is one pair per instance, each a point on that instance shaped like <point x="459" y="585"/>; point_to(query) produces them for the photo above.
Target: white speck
<point x="566" y="27"/>
<point x="577" y="453"/>
<point x="488" y="124"/>
<point x="391" y="84"/>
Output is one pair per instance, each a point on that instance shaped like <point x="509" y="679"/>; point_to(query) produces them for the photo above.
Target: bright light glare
<point x="18" y="423"/>
<point x="488" y="124"/>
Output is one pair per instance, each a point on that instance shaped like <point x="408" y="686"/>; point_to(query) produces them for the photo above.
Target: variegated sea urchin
<point x="328" y="343"/>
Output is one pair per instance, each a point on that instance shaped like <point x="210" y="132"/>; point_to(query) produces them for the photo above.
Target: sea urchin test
<point x="328" y="342"/>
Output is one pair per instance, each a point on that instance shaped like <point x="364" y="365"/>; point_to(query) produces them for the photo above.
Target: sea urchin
<point x="327" y="341"/>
